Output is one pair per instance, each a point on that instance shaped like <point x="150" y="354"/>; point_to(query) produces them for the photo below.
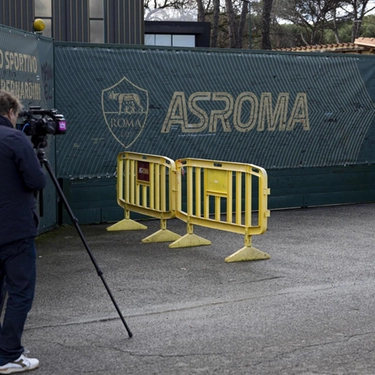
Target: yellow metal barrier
<point x="211" y="185"/>
<point x="146" y="185"/>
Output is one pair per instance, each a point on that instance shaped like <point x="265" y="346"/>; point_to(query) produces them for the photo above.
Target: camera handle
<point x="44" y="162"/>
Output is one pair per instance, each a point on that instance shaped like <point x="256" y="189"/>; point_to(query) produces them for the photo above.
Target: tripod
<point x="39" y="145"/>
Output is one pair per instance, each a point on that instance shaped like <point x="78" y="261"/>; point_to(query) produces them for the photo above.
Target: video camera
<point x="40" y="122"/>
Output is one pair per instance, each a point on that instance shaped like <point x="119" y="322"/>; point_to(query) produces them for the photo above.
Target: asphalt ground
<point x="308" y="310"/>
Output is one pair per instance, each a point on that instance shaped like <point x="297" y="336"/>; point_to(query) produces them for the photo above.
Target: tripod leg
<point x="75" y="222"/>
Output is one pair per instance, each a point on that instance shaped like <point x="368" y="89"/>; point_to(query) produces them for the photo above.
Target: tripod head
<point x="40" y="143"/>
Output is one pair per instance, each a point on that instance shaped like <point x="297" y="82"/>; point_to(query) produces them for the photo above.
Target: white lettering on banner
<point x="244" y="113"/>
<point x="125" y="123"/>
<point x="23" y="90"/>
<point x="21" y="85"/>
<point x="20" y="62"/>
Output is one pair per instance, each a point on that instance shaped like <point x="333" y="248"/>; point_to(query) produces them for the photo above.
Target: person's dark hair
<point x="8" y="102"/>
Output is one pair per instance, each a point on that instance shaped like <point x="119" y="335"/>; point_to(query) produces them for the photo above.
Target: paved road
<point x="308" y="310"/>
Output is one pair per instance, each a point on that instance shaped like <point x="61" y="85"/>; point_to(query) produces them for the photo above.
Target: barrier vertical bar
<point x="238" y="197"/>
<point x="198" y="191"/>
<point x="248" y="200"/>
<point x="152" y="187"/>
<point x="230" y="198"/>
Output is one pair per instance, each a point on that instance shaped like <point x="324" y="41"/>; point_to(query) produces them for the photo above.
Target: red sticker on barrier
<point x="143" y="171"/>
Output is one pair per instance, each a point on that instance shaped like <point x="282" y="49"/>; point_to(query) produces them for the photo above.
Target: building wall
<point x="123" y="19"/>
<point x="125" y="23"/>
<point x="16" y="13"/>
<point x="96" y="21"/>
<point x="71" y="20"/>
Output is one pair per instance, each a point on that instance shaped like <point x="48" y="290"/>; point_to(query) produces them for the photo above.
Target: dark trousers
<point x="17" y="278"/>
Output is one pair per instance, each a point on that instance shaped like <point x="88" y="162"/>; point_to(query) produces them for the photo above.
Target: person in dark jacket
<point x="21" y="176"/>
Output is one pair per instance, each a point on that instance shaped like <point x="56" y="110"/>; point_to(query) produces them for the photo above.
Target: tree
<point x="318" y="20"/>
<point x="215" y="22"/>
<point x="311" y="17"/>
<point x="157" y="10"/>
<point x="266" y="21"/>
<point x="232" y="24"/>
<point x="356" y="10"/>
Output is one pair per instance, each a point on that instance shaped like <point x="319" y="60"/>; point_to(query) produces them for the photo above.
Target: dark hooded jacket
<point x="21" y="175"/>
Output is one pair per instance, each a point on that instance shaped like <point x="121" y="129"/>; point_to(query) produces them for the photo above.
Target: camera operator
<point x="21" y="176"/>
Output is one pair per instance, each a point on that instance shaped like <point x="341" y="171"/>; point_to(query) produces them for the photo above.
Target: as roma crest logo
<point x="125" y="109"/>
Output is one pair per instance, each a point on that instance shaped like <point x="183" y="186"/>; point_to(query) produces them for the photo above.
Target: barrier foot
<point x="162" y="235"/>
<point x="189" y="240"/>
<point x="126" y="224"/>
<point x="247" y="253"/>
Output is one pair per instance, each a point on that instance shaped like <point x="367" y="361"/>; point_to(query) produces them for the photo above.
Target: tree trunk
<point x="215" y="23"/>
<point x="266" y="21"/>
<point x="201" y="15"/>
<point x="241" y="28"/>
<point x="335" y="29"/>
<point x="232" y="27"/>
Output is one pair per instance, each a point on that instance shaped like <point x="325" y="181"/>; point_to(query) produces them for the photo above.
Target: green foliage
<point x="368" y="27"/>
<point x="289" y="35"/>
<point x="345" y="30"/>
<point x="345" y="34"/>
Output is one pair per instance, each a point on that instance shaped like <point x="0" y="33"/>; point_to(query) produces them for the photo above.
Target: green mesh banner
<point x="26" y="67"/>
<point x="26" y="70"/>
<point x="275" y="110"/>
